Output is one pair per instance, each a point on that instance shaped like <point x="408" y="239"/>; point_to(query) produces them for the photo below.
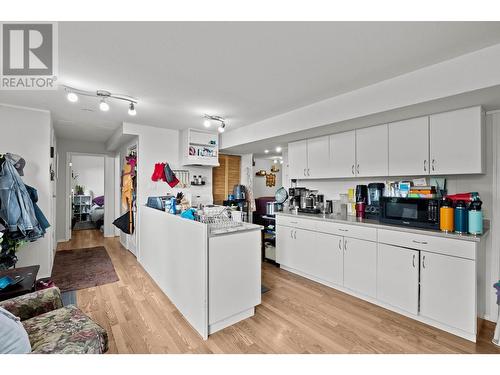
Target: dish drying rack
<point x="219" y="222"/>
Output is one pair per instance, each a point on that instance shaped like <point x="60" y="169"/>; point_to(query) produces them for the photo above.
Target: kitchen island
<point x="212" y="277"/>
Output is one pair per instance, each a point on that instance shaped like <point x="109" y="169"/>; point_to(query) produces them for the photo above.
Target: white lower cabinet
<point x="397" y="277"/>
<point x="328" y="258"/>
<point x="286" y="253"/>
<point x="447" y="290"/>
<point x="360" y="266"/>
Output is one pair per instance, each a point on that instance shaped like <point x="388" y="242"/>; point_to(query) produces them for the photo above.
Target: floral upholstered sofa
<point x="53" y="328"/>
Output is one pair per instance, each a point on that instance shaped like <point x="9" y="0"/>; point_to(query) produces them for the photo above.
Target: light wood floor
<point x="296" y="316"/>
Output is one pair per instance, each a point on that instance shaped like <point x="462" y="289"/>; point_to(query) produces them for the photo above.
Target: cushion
<point x="99" y="200"/>
<point x="13" y="336"/>
<point x="67" y="331"/>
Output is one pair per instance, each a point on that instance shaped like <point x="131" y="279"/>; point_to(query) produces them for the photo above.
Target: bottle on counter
<point x="173" y="205"/>
<point x="461" y="217"/>
<point x="446" y="216"/>
<point x="475" y="217"/>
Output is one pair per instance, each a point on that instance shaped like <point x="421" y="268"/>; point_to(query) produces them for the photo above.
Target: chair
<point x="54" y="329"/>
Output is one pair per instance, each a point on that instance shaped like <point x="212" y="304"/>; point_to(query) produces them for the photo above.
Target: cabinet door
<point x="409" y="147"/>
<point x="456" y="142"/>
<point x="297" y="159"/>
<point x="318" y="163"/>
<point x="447" y="290"/>
<point x="343" y="154"/>
<point x="303" y="245"/>
<point x="397" y="277"/>
<point x="285" y="249"/>
<point x="327" y="258"/>
<point x="360" y="266"/>
<point x="372" y="151"/>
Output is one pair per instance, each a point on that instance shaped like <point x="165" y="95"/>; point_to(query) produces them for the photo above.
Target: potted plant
<point x="8" y="249"/>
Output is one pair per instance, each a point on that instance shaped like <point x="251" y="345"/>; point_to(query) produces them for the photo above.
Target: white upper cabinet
<point x="409" y="147"/>
<point x="372" y="151"/>
<point x="456" y="142"/>
<point x="318" y="161"/>
<point x="343" y="154"/>
<point x="297" y="159"/>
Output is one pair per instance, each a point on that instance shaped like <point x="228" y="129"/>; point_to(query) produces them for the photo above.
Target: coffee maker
<point x="295" y="193"/>
<point x="375" y="191"/>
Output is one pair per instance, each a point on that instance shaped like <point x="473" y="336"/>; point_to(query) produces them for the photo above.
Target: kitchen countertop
<point x="352" y="220"/>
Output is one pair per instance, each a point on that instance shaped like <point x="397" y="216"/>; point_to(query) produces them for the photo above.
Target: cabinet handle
<point x="413" y="261"/>
<point x="433" y="162"/>
<point x="420" y="242"/>
<point x="304" y="171"/>
<point x="340" y="244"/>
<point x="291" y="233"/>
<point x="294" y="222"/>
<point x="352" y="169"/>
<point x="357" y="169"/>
<point x="343" y="230"/>
<point x="308" y="172"/>
<point x="425" y="165"/>
<point x="294" y="234"/>
<point x="423" y="261"/>
<point x="345" y="245"/>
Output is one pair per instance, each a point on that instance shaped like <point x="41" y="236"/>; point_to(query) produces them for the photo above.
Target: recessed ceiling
<point x="245" y="71"/>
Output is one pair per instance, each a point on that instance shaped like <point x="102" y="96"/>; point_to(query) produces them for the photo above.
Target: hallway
<point x="296" y="316"/>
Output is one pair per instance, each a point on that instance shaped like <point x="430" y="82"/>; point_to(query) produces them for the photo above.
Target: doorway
<point x="86" y="192"/>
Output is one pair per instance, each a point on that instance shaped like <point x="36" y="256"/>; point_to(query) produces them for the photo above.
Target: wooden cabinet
<point x="456" y="142"/>
<point x="372" y="151"/>
<point x="343" y="155"/>
<point x="360" y="266"/>
<point x="297" y="159"/>
<point x="225" y="176"/>
<point x="448" y="290"/>
<point x="327" y="258"/>
<point x="397" y="277"/>
<point x="409" y="147"/>
<point x="318" y="161"/>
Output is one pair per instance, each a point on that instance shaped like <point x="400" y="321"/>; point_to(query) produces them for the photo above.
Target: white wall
<point x="65" y="146"/>
<point x="486" y="184"/>
<point x="27" y="132"/>
<point x="90" y="171"/>
<point x="259" y="183"/>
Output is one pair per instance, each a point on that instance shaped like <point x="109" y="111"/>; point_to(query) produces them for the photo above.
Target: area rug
<point x="83" y="268"/>
<point x="83" y="225"/>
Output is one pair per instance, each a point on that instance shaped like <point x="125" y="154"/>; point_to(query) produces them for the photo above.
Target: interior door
<point x="456" y="139"/>
<point x="297" y="159"/>
<point x="372" y="151"/>
<point x="397" y="277"/>
<point x="225" y="176"/>
<point x="343" y="154"/>
<point x="318" y="164"/>
<point x="360" y="266"/>
<point x="409" y="147"/>
<point x="327" y="258"/>
<point x="447" y="290"/>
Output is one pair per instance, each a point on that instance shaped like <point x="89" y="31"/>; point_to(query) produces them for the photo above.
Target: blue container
<point x="475" y="218"/>
<point x="173" y="208"/>
<point x="461" y="218"/>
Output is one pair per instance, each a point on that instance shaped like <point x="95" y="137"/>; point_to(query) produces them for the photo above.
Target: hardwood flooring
<point x="296" y="316"/>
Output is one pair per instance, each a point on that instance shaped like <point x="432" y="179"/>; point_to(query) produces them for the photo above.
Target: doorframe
<point x="69" y="208"/>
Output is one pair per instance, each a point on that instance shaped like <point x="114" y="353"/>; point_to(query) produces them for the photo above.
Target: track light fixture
<point x="72" y="95"/>
<point x="207" y="122"/>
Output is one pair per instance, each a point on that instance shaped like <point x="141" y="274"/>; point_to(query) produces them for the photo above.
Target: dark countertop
<point x="352" y="220"/>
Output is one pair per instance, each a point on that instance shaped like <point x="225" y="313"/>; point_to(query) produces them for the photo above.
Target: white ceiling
<point x="244" y="71"/>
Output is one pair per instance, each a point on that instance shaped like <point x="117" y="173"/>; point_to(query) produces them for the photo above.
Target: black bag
<point x="125" y="223"/>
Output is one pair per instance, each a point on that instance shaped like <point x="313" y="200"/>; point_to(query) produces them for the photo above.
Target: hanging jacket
<point x="42" y="220"/>
<point x="16" y="206"/>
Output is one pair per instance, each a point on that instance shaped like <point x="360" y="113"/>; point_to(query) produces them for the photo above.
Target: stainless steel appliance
<point x="413" y="212"/>
<point x="375" y="191"/>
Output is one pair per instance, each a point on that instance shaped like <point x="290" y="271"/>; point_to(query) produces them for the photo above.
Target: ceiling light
<point x="103" y="106"/>
<point x="206" y="123"/>
<point x="266" y="151"/>
<point x="278" y="149"/>
<point x="72" y="97"/>
<point x="131" y="110"/>
<point x="275" y="161"/>
<point x="281" y="161"/>
<point x="221" y="128"/>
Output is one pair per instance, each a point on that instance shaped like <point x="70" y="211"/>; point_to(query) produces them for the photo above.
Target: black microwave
<point x="412" y="212"/>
